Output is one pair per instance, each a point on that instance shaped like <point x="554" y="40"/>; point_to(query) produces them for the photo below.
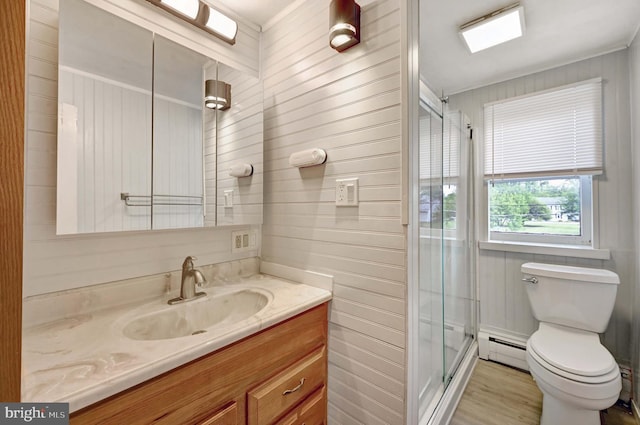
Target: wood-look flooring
<point x="500" y="395"/>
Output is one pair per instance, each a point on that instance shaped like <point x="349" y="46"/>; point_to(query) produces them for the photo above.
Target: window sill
<point x="544" y="249"/>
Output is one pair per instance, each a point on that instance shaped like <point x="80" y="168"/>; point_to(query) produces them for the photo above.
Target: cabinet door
<point x="227" y="416"/>
<point x="312" y="411"/>
<point x="279" y="394"/>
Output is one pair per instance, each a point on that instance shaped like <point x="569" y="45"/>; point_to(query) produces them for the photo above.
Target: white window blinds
<point x="439" y="147"/>
<point x="555" y="132"/>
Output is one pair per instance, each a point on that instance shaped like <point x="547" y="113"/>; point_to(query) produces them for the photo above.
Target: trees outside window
<point x="549" y="206"/>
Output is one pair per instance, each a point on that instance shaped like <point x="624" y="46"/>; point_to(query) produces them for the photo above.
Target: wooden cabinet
<point x="285" y="390"/>
<point x="226" y="416"/>
<point x="276" y="376"/>
<point x="312" y="411"/>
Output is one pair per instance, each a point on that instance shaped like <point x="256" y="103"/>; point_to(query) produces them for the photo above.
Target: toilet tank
<point x="578" y="297"/>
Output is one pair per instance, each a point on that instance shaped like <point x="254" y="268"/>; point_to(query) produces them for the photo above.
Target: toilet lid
<point x="575" y="351"/>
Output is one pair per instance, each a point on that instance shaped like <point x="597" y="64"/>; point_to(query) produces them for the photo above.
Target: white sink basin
<point x="197" y="316"/>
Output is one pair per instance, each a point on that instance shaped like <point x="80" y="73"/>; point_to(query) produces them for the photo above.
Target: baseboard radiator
<point x="501" y="349"/>
<point x="513" y="352"/>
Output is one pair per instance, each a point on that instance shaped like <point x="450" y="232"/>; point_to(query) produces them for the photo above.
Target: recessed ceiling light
<point x="494" y="28"/>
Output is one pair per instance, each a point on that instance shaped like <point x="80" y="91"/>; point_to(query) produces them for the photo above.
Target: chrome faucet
<point x="190" y="277"/>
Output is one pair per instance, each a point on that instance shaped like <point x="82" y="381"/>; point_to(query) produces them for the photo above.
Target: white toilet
<point x="578" y="377"/>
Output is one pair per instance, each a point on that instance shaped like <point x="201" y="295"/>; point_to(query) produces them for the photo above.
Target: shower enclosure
<point x="445" y="327"/>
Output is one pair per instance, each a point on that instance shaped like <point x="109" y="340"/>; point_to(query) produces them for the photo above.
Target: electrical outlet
<point x="243" y="240"/>
<point x="347" y="192"/>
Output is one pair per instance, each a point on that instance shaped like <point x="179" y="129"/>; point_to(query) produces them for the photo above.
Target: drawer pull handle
<point x="296" y="388"/>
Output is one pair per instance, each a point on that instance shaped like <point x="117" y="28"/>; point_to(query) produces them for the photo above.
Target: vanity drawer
<point x="276" y="396"/>
<point x="227" y="416"/>
<point x="312" y="411"/>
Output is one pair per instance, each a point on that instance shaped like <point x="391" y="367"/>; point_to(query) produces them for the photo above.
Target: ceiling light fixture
<point x="217" y="95"/>
<point x="344" y="24"/>
<point x="202" y="16"/>
<point x="494" y="28"/>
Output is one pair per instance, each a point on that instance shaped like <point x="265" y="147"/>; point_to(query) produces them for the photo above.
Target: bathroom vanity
<point x="276" y="376"/>
<point x="252" y="351"/>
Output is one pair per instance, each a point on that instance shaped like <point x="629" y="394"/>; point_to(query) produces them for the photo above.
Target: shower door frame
<point x="444" y="403"/>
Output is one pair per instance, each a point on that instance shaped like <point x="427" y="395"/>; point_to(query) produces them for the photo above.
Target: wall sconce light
<point x="217" y="95"/>
<point x="202" y="16"/>
<point x="344" y="24"/>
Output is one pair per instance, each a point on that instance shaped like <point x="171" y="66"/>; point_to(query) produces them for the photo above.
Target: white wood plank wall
<point x="177" y="167"/>
<point x="55" y="263"/>
<point x="634" y="70"/>
<point x="349" y="104"/>
<point x="503" y="300"/>
<point x="122" y="131"/>
<point x="240" y="140"/>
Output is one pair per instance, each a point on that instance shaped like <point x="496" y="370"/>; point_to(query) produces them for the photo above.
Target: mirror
<point x="178" y="81"/>
<point x="104" y="120"/>
<point x="137" y="149"/>
<point x="239" y="141"/>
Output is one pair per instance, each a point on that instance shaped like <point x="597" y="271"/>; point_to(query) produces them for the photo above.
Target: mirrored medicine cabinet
<point x="137" y="148"/>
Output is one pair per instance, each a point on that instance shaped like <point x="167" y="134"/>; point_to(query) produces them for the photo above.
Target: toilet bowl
<point x="576" y="374"/>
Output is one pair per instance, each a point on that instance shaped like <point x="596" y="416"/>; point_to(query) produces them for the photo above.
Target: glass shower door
<point x="457" y="247"/>
<point x="431" y="311"/>
<point x="446" y="324"/>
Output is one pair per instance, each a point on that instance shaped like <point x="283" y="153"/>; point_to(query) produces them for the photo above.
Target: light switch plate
<point x="228" y="198"/>
<point x="347" y="192"/>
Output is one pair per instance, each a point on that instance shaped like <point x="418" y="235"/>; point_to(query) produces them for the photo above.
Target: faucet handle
<point x="188" y="262"/>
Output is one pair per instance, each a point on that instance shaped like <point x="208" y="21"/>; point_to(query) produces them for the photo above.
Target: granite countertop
<point x="83" y="358"/>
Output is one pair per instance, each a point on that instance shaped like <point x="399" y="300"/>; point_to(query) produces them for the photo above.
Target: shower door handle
<point x="531" y="279"/>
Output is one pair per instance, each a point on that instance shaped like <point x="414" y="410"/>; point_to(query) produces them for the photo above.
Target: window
<point x="547" y="210"/>
<point x="438" y="206"/>
<point x="540" y="153"/>
<point x="443" y="174"/>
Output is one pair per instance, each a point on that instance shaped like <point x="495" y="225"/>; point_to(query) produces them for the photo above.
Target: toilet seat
<point x="573" y="354"/>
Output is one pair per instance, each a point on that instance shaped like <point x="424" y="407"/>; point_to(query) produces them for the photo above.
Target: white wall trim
<point x="410" y="195"/>
<point x="633" y="37"/>
<point x="318" y="280"/>
<point x="544" y="249"/>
